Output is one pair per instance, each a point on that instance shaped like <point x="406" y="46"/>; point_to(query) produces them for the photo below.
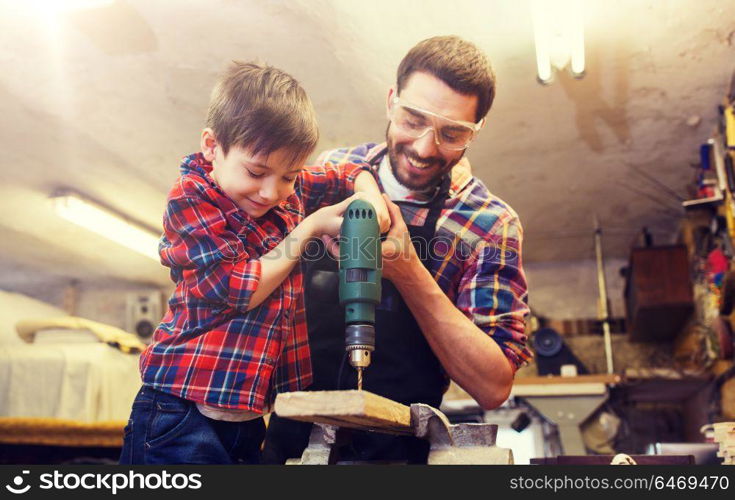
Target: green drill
<point x="360" y="267"/>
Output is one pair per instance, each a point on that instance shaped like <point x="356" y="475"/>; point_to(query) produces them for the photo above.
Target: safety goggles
<point x="454" y="135"/>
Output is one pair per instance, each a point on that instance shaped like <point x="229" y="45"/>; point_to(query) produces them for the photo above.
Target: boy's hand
<point x="327" y="221"/>
<point x="397" y="247"/>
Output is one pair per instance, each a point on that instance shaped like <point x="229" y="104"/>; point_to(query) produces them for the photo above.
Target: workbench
<point x="566" y="402"/>
<point x="460" y="444"/>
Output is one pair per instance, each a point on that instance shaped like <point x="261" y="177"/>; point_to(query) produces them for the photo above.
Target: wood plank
<point x="355" y="409"/>
<point x="579" y="379"/>
<point x="606" y="459"/>
<point x="663" y="374"/>
<point x="527" y="390"/>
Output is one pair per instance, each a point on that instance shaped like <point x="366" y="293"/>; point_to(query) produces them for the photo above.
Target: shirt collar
<point x="397" y="191"/>
<point x="460" y="177"/>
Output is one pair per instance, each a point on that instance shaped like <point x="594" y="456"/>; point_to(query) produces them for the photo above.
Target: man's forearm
<point x="471" y="358"/>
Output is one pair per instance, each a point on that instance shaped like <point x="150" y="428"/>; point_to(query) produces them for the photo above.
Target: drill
<point x="360" y="265"/>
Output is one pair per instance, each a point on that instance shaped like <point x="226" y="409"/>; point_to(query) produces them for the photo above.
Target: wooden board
<point x="606" y="459"/>
<point x="355" y="409"/>
<point x="60" y="432"/>
<point x="528" y="390"/>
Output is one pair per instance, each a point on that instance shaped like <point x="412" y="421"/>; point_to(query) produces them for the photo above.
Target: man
<point x="454" y="301"/>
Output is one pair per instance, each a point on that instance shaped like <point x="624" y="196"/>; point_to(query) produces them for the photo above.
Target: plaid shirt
<point x="479" y="237"/>
<point x="209" y="348"/>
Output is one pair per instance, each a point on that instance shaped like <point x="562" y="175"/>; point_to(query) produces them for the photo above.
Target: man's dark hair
<point x="458" y="63"/>
<point x="262" y="109"/>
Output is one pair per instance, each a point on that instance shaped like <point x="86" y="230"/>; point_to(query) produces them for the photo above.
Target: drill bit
<point x="359" y="379"/>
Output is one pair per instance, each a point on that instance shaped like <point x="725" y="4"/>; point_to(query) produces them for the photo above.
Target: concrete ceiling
<point x="107" y="100"/>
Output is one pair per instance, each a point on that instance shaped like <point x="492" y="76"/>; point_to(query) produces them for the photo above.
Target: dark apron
<point x="403" y="367"/>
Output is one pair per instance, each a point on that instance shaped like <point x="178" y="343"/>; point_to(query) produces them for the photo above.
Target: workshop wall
<point x="569" y="290"/>
<point x="108" y="304"/>
<point x="590" y="350"/>
<point x="104" y="302"/>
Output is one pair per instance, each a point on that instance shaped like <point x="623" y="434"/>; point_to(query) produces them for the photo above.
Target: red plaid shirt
<point x="209" y="348"/>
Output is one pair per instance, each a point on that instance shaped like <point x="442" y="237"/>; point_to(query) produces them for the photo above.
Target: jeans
<point x="166" y="429"/>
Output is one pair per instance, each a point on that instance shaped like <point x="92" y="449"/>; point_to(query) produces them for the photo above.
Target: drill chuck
<point x="360" y="343"/>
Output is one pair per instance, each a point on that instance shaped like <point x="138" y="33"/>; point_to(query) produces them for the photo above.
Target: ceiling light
<point x="559" y="35"/>
<point x="105" y="222"/>
<point x="68" y="5"/>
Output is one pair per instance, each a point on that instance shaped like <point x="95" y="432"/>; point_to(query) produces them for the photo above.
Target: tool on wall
<point x="360" y="274"/>
<point x="602" y="287"/>
<point x="552" y="353"/>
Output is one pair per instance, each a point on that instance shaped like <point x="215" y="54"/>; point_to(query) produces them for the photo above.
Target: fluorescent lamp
<point x="576" y="41"/>
<point x="70" y="5"/>
<point x="542" y="38"/>
<point x="105" y="222"/>
<point x="559" y="37"/>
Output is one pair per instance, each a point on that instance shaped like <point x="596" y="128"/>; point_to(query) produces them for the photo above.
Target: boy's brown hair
<point x="458" y="63"/>
<point x="262" y="109"/>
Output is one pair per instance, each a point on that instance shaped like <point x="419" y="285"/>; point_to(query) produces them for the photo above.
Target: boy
<point x="234" y="229"/>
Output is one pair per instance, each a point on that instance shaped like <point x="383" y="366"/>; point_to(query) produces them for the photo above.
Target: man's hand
<point x="397" y="250"/>
<point x="381" y="210"/>
<point x="366" y="185"/>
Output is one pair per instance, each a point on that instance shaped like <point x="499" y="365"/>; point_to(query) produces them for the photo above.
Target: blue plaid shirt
<point x="479" y="236"/>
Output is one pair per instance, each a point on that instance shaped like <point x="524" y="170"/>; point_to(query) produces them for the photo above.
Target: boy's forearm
<point x="324" y="185"/>
<point x="365" y="183"/>
<point x="279" y="262"/>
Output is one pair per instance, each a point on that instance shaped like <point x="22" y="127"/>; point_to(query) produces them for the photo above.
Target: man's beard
<point x="395" y="151"/>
